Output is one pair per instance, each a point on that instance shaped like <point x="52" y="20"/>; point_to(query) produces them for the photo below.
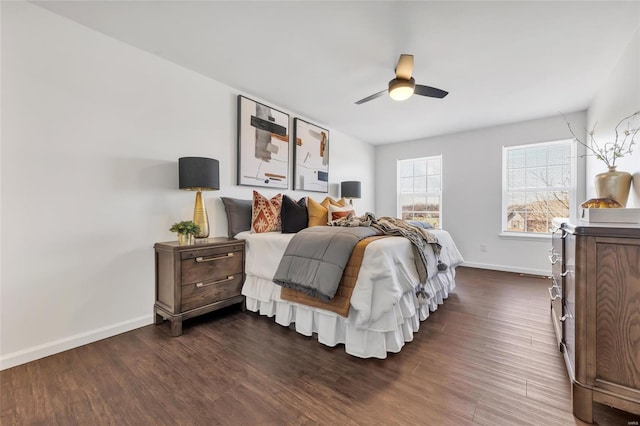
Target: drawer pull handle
<point x="551" y="293"/>
<point x="210" y="259"/>
<point x="200" y="285"/>
<point x="565" y="316"/>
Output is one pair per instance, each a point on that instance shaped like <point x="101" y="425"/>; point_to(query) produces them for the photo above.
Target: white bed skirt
<point x="388" y="333"/>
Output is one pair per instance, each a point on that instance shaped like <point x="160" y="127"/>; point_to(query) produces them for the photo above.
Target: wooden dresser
<point x="196" y="279"/>
<point x="601" y="315"/>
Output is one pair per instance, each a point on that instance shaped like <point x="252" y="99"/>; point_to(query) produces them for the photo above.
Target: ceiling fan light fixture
<point x="404" y="86"/>
<point x="401" y="89"/>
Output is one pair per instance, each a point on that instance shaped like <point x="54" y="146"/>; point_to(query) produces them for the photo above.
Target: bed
<point x="384" y="311"/>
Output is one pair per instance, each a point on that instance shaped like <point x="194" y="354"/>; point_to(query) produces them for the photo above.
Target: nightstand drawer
<point x="203" y="293"/>
<point x="196" y="252"/>
<point x="216" y="263"/>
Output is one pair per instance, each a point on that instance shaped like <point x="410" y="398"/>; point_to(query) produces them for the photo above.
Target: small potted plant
<point x="186" y="230"/>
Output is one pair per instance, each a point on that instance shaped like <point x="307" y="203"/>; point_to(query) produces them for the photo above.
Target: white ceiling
<point x="501" y="61"/>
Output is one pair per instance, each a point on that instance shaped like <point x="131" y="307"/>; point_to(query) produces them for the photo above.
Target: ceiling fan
<point x="403" y="86"/>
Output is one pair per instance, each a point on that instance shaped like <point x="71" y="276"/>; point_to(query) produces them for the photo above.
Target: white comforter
<point x="387" y="273"/>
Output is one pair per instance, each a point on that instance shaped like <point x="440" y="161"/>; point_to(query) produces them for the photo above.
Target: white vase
<point x="614" y="185"/>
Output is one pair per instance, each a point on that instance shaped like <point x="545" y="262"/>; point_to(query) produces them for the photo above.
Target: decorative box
<point x="591" y="215"/>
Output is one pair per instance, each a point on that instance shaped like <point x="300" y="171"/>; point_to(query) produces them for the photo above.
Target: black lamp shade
<point x="350" y="189"/>
<point x="198" y="174"/>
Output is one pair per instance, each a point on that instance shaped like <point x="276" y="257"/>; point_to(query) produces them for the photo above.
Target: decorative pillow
<point x="318" y="212"/>
<point x="265" y="215"/>
<point x="341" y="214"/>
<point x="425" y="225"/>
<point x="337" y="212"/>
<point x="238" y="215"/>
<point x="294" y="215"/>
<point x="328" y="201"/>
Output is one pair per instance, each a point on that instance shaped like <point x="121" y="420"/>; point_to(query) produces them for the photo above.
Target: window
<point x="538" y="185"/>
<point x="420" y="189"/>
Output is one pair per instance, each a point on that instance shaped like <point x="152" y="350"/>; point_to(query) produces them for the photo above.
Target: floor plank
<point x="488" y="356"/>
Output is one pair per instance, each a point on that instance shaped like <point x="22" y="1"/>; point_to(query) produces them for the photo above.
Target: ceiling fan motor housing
<point x="401" y="89"/>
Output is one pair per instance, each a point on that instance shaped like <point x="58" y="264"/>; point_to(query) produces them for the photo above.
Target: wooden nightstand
<point x="196" y="279"/>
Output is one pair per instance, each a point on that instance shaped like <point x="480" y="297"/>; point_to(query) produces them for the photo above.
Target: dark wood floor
<point x="486" y="357"/>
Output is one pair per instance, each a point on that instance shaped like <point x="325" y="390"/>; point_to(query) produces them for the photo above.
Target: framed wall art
<point x="263" y="145"/>
<point x="310" y="157"/>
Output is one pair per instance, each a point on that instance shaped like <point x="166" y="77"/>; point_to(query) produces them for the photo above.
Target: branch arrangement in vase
<point x="625" y="133"/>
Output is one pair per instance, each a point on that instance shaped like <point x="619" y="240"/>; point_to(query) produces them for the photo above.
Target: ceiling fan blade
<point x="368" y="98"/>
<point x="432" y="92"/>
<point x="404" y="69"/>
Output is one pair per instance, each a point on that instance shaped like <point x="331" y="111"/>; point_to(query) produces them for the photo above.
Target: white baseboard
<point x="40" y="351"/>
<point x="517" y="270"/>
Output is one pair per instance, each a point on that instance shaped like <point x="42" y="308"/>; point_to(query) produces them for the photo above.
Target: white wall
<point x="472" y="189"/>
<point x="91" y="133"/>
<point x="618" y="97"/>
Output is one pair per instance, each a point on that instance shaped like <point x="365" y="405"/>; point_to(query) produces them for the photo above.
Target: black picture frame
<point x="263" y="145"/>
<point x="310" y="157"/>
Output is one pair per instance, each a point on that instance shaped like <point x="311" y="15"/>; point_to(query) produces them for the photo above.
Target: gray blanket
<point x="315" y="258"/>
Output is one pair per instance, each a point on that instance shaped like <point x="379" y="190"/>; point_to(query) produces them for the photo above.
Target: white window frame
<point x="426" y="193"/>
<point x="571" y="189"/>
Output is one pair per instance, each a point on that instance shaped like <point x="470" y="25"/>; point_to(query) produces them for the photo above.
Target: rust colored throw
<point x="342" y="299"/>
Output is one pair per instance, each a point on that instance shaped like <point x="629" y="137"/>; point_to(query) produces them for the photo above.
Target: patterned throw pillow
<point x="265" y="216"/>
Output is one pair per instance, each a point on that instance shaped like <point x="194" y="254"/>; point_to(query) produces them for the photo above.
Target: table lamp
<point x="199" y="174"/>
<point x="350" y="189"/>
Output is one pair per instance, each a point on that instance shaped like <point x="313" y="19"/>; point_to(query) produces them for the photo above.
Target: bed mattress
<point x="384" y="311"/>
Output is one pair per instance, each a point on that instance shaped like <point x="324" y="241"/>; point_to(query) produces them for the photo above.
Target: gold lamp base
<point x="200" y="217"/>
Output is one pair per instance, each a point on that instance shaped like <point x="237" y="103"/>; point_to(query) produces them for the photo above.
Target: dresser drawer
<point x="203" y="293"/>
<point x="216" y="263"/>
